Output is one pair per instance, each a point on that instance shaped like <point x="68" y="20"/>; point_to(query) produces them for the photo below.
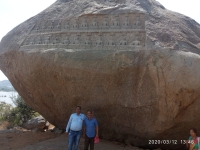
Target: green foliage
<point x="4" y="110"/>
<point x="21" y="113"/>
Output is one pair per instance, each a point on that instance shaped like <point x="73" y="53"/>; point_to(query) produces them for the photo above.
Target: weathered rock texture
<point x="133" y="62"/>
<point x="37" y="123"/>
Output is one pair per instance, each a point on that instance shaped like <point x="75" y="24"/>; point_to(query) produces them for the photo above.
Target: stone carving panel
<point x="137" y="22"/>
<point x="126" y="22"/>
<point x="123" y="41"/>
<point x="93" y="23"/>
<point x="58" y="25"/>
<point x="115" y="24"/>
<point x="65" y="26"/>
<point x="55" y="39"/>
<point x="50" y="25"/>
<point x="85" y="40"/>
<point x="74" y="24"/>
<point x="65" y="39"/>
<point x="84" y="23"/>
<point x="104" y="22"/>
<point x="121" y="31"/>
<point x="46" y="39"/>
<point x="95" y="40"/>
<point x="109" y="39"/>
<point x="38" y="40"/>
<point x="137" y="39"/>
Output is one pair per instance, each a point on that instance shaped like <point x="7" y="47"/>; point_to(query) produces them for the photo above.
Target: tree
<point x="21" y="113"/>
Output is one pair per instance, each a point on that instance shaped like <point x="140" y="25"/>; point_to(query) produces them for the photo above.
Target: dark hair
<point x="78" y="107"/>
<point x="194" y="130"/>
<point x="89" y="111"/>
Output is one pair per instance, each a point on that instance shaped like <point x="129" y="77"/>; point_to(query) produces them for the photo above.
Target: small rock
<point x="37" y="122"/>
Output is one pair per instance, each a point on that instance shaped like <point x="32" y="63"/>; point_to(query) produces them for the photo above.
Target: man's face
<point x="78" y="110"/>
<point x="89" y="114"/>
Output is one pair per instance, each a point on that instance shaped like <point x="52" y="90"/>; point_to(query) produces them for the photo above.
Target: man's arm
<point x="84" y="130"/>
<point x="69" y="124"/>
<point x="97" y="131"/>
<point x="84" y="117"/>
<point x="97" y="128"/>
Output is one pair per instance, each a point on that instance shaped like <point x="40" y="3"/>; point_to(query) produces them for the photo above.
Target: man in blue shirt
<point x="90" y="131"/>
<point x="74" y="128"/>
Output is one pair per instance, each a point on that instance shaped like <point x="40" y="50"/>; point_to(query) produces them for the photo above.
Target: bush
<point x="21" y="113"/>
<point x="4" y="110"/>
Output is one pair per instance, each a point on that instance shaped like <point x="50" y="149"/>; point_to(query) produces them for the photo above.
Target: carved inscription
<point x="92" y="31"/>
<point x="94" y="24"/>
<point x="126" y="23"/>
<point x="84" y="24"/>
<point x="99" y="22"/>
<point x="115" y="23"/>
<point x="46" y="39"/>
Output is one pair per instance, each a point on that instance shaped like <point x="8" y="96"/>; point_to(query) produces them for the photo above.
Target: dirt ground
<point x="14" y="139"/>
<point x="21" y="139"/>
<point x="28" y="140"/>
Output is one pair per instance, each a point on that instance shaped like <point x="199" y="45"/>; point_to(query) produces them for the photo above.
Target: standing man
<point x="90" y="130"/>
<point x="74" y="128"/>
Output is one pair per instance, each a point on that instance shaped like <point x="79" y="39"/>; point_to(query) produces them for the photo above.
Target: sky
<point x="14" y="12"/>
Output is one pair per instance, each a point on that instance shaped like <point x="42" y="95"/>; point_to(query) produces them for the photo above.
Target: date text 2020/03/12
<point x="169" y="142"/>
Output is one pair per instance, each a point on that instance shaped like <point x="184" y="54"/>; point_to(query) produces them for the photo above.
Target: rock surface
<point x="37" y="124"/>
<point x="133" y="62"/>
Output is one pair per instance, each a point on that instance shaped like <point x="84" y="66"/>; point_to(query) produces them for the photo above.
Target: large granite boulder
<point x="133" y="62"/>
